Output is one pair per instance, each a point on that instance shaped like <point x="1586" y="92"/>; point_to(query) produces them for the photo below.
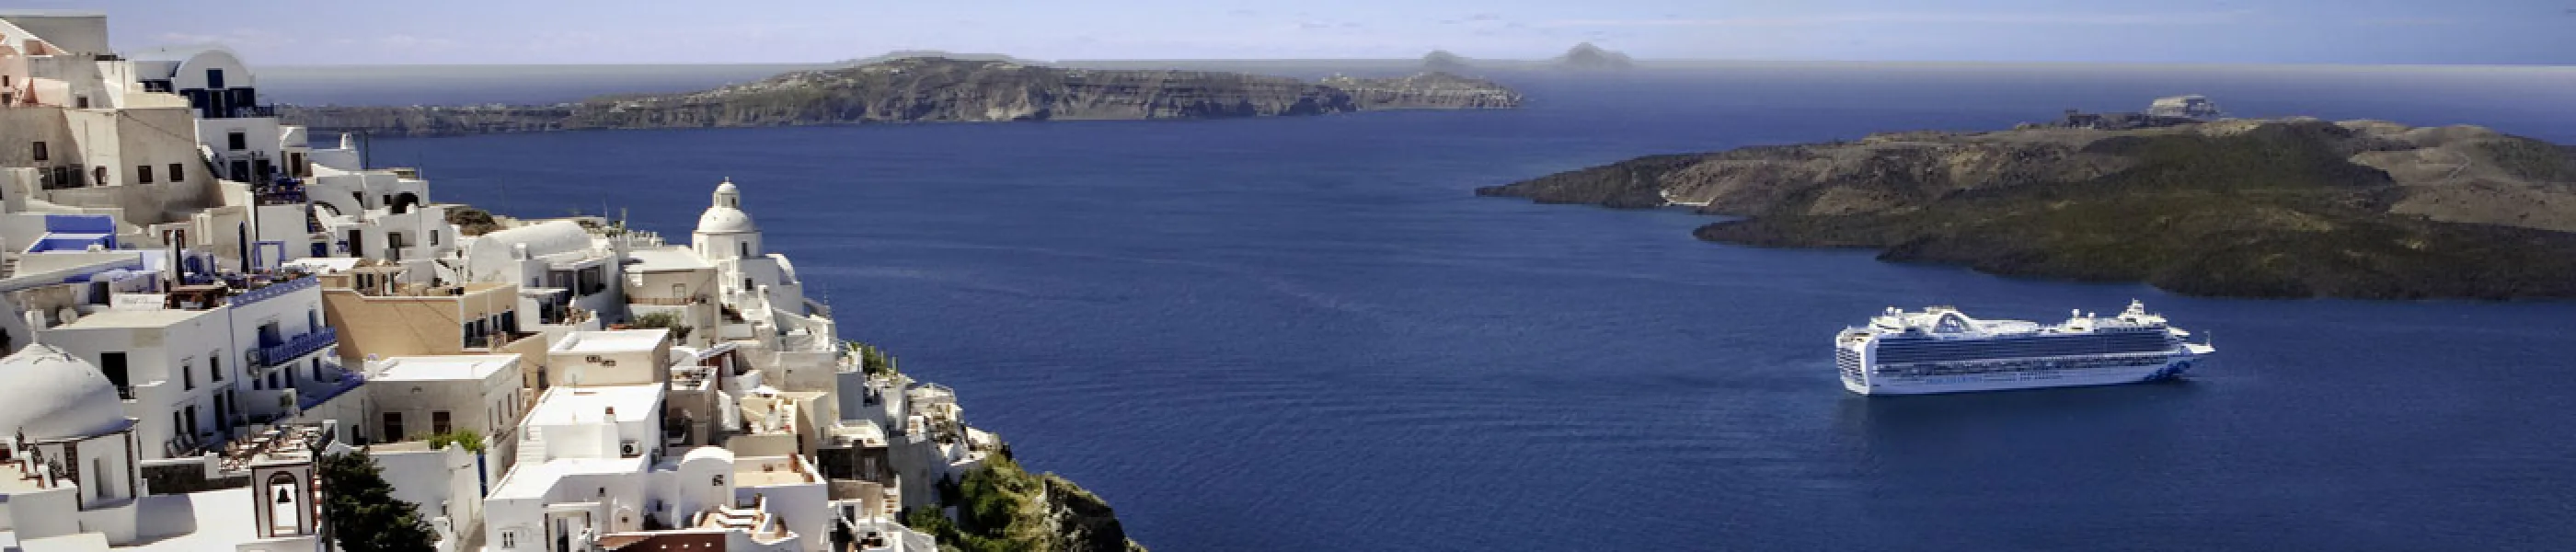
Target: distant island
<point x="2280" y="208"/>
<point x="933" y="89"/>
<point x="942" y="54"/>
<point x="1442" y="61"/>
<point x="1588" y="57"/>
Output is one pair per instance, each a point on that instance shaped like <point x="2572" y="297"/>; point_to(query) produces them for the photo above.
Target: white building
<point x="415" y="397"/>
<point x="69" y="481"/>
<point x="2192" y="105"/>
<point x="195" y="364"/>
<point x="558" y="264"/>
<point x="70" y="452"/>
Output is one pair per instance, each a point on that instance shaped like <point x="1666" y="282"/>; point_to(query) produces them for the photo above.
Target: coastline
<point x="2283" y="208"/>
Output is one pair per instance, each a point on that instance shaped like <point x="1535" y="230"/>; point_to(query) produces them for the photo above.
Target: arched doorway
<point x="403" y="202"/>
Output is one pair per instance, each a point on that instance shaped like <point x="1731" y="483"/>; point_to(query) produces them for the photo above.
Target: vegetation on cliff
<point x="931" y="89"/>
<point x="2277" y="208"/>
<point x="1002" y="508"/>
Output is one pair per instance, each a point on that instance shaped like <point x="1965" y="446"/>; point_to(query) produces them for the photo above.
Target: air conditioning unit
<point x="629" y="448"/>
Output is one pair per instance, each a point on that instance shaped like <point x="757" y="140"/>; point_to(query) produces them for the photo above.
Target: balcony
<point x="281" y="190"/>
<point x="349" y="380"/>
<point x="242" y="112"/>
<point x="666" y="301"/>
<point x="296" y="347"/>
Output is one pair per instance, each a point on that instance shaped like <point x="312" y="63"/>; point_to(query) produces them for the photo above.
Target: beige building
<point x="615" y="357"/>
<point x="380" y="318"/>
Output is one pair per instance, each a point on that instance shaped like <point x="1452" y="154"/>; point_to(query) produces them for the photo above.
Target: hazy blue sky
<point x="658" y="31"/>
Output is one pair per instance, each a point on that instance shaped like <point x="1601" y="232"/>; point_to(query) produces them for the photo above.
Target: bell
<point x="283" y="498"/>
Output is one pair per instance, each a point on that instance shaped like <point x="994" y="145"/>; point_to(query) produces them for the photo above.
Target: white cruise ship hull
<point x="2169" y="368"/>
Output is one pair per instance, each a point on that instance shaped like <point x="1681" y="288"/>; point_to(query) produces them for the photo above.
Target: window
<point x="40" y="151"/>
<point x="237" y="141"/>
<point x="143" y="174"/>
<point x="438" y="422"/>
<point x="81" y="102"/>
<point x="393" y="426"/>
<point x="433" y="237"/>
<point x="743" y="247"/>
<point x="187" y="374"/>
<point x="114" y="365"/>
<point x="215" y="366"/>
<point x="509" y="539"/>
<point x="317" y="369"/>
<point x="100" y="175"/>
<point x="214" y="78"/>
<point x="175" y="175"/>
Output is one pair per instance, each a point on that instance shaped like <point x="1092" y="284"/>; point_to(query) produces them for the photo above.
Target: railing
<point x="298" y="346"/>
<point x="348" y="381"/>
<point x="245" y="111"/>
<point x="275" y="290"/>
<point x="666" y="301"/>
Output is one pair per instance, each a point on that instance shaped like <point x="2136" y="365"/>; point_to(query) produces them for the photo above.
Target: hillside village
<point x="203" y="306"/>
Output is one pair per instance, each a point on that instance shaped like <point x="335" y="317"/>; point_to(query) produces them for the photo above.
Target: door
<point x="241" y="171"/>
<point x="113" y="365"/>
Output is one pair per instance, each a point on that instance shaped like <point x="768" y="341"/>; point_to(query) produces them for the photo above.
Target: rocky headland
<point x="930" y="89"/>
<point x="2242" y="208"/>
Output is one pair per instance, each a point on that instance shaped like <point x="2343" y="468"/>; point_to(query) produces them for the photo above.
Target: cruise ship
<point x="1943" y="350"/>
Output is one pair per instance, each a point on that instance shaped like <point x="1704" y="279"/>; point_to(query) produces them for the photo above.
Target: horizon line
<point x="1511" y="62"/>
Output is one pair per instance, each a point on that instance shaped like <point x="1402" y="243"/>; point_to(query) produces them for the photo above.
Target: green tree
<point x="873" y="361"/>
<point x="664" y="319"/>
<point x="363" y="514"/>
<point x="473" y="442"/>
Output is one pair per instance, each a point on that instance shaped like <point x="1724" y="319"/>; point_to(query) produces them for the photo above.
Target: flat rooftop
<point x="662" y="259"/>
<point x="444" y="368"/>
<point x="159" y="318"/>
<point x="535" y="480"/>
<point x="224" y="519"/>
<point x="612" y="341"/>
<point x="771" y="471"/>
<point x="574" y="405"/>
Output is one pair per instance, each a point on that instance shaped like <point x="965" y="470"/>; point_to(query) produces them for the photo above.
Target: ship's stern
<point x="1851" y="360"/>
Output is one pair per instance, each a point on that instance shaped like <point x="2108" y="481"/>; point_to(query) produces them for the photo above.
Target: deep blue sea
<point x="1307" y="334"/>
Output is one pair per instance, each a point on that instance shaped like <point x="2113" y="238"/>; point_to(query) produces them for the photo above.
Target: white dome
<point x="725" y="215"/>
<point x="725" y="220"/>
<point x="54" y="395"/>
<point x="707" y="453"/>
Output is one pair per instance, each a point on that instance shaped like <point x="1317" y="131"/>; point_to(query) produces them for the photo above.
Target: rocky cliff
<point x="1002" y="508"/>
<point x="934" y="90"/>
<point x="1440" y="90"/>
<point x="2260" y="208"/>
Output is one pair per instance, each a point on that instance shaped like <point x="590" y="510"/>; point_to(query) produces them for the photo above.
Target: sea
<point x="1296" y="334"/>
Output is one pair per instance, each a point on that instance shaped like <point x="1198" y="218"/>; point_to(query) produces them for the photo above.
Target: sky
<point x="330" y="32"/>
